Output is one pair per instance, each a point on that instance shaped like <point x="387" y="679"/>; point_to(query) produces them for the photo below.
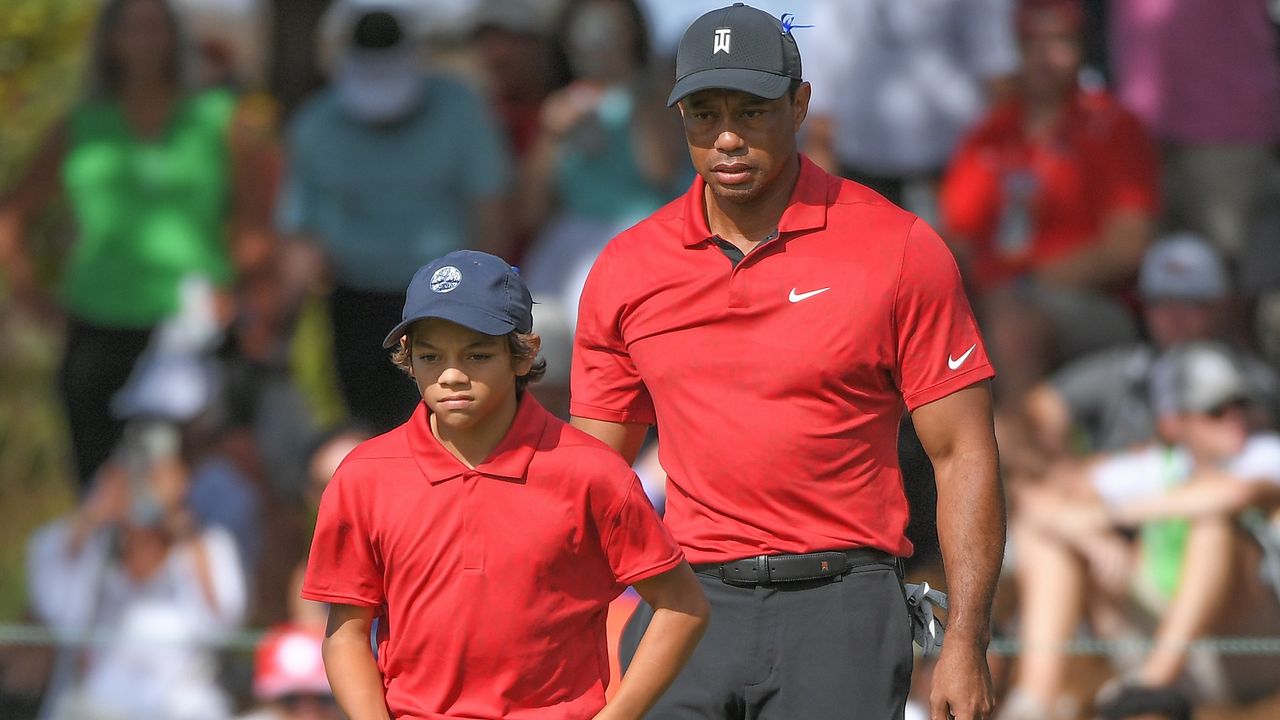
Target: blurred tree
<point x="43" y="49"/>
<point x="43" y="44"/>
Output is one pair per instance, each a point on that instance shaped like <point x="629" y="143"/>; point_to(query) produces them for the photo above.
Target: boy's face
<point x="464" y="376"/>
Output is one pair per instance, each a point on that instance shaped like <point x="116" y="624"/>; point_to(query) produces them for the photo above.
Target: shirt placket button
<point x="472" y="536"/>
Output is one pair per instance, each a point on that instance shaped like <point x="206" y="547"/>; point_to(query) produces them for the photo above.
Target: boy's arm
<point x="680" y="614"/>
<point x="625" y="438"/>
<point x="348" y="661"/>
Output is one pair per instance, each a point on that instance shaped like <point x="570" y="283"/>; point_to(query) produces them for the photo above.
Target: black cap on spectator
<point x="377" y="30"/>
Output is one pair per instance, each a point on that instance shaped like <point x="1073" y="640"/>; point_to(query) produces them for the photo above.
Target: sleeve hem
<point x="952" y="384"/>
<point x="653" y="570"/>
<point x="337" y="598"/>
<point x="593" y="412"/>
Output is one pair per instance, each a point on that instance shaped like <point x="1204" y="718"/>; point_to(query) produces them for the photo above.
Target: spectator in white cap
<point x="1149" y="541"/>
<point x="390" y="167"/>
<point x="289" y="682"/>
<point x="1102" y="398"/>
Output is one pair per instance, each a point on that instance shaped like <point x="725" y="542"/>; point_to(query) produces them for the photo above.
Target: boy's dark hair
<point x="517" y="342"/>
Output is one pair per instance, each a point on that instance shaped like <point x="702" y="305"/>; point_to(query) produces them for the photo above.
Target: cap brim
<point x="770" y="86"/>
<point x="464" y="315"/>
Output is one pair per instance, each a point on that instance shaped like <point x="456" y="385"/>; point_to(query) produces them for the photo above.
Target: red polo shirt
<point x="1099" y="161"/>
<point x="777" y="385"/>
<point x="492" y="584"/>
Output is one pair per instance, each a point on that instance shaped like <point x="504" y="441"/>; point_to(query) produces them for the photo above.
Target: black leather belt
<point x="765" y="570"/>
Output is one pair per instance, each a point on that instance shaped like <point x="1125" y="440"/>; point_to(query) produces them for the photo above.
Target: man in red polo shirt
<point x="486" y="536"/>
<point x="1051" y="201"/>
<point x="773" y="322"/>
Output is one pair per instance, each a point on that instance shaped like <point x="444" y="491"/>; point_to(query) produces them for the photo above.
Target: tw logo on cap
<point x="721" y="41"/>
<point x="446" y="279"/>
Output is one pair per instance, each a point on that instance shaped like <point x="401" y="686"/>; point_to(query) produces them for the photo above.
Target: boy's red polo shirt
<point x="777" y="385"/>
<point x="1099" y="161"/>
<point x="492" y="584"/>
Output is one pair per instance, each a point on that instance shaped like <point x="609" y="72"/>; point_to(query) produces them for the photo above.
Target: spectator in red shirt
<point x="486" y="536"/>
<point x="1050" y="204"/>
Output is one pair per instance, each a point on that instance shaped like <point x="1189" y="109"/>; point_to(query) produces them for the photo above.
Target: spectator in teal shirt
<point x="390" y="167"/>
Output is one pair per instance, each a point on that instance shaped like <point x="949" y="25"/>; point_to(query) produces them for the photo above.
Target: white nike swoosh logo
<point x="955" y="363"/>
<point x="797" y="297"/>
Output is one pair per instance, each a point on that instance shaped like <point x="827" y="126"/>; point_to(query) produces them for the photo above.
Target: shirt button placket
<point x="472" y="535"/>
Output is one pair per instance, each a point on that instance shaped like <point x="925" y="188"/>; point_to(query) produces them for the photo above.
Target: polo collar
<point x="806" y="210"/>
<point x="509" y="461"/>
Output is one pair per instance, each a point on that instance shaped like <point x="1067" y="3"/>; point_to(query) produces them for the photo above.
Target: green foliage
<point x="43" y="50"/>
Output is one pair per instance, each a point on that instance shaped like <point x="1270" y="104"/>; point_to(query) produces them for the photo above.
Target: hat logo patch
<point x="721" y="42"/>
<point x="446" y="279"/>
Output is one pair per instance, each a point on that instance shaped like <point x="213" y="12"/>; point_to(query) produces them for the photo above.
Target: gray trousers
<point x="813" y="650"/>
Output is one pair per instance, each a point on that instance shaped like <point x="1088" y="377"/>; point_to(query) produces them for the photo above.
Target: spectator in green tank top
<point x="161" y="187"/>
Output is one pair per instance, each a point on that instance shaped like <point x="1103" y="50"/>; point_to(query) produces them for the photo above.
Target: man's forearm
<point x="354" y="677"/>
<point x="971" y="531"/>
<point x="1113" y="259"/>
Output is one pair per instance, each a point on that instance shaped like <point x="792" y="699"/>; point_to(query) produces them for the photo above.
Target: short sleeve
<point x="1260" y="461"/>
<point x="969" y="199"/>
<point x="344" y="565"/>
<point x="604" y="381"/>
<point x="1131" y="476"/>
<point x="637" y="544"/>
<point x="1130" y="177"/>
<point x="1090" y="384"/>
<point x="938" y="347"/>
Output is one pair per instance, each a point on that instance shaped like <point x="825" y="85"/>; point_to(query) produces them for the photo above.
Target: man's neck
<point x="748" y="223"/>
<point x="1043" y="114"/>
<point x="474" y="445"/>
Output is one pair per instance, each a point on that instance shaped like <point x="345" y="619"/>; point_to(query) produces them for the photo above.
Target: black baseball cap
<point x="736" y="48"/>
<point x="473" y="289"/>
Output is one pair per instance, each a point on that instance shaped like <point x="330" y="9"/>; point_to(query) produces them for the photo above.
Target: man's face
<point x="740" y="143"/>
<point x="517" y="63"/>
<point x="1051" y="55"/>
<point x="464" y="376"/>
<point x="1171" y="321"/>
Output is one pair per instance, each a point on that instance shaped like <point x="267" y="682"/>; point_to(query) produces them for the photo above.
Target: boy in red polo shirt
<point x="488" y="537"/>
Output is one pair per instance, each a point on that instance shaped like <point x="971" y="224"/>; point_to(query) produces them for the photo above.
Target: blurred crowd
<point x="1106" y="174"/>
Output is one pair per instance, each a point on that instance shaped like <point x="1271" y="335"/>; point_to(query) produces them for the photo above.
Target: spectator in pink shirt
<point x="1205" y="77"/>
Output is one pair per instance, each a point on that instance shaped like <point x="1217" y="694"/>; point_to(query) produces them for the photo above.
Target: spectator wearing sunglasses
<point x="1167" y="540"/>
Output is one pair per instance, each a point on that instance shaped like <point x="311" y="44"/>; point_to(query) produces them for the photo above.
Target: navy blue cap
<point x="736" y="48"/>
<point x="473" y="289"/>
